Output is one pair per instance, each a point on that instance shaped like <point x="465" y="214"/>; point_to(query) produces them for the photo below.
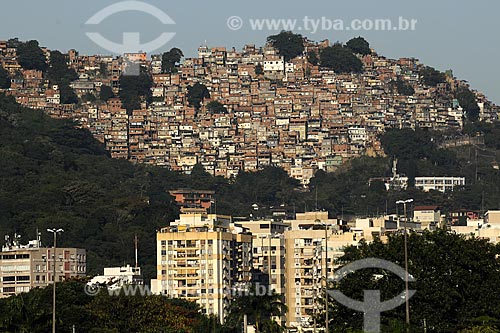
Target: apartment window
<point x="163" y="243"/>
<point x="264" y="226"/>
<point x="9" y="278"/>
<point x="23" y="278"/>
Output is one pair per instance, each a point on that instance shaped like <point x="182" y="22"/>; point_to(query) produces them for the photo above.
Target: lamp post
<point x="55" y="232"/>
<point x="407" y="300"/>
<point x="326" y="275"/>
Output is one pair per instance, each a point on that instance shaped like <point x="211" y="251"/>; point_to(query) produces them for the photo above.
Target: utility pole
<point x="55" y="232"/>
<point x="326" y="279"/>
<point x="136" y="256"/>
<point x="407" y="300"/>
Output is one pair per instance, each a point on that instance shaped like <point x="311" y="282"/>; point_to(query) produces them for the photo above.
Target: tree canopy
<point x="4" y="79"/>
<point x="104" y="312"/>
<point x="403" y="88"/>
<point x="288" y="44"/>
<point x="216" y="107"/>
<point x="136" y="88"/>
<point x="59" y="73"/>
<point x="259" y="70"/>
<point x="467" y="100"/>
<point x="196" y="94"/>
<point x="31" y="56"/>
<point x="312" y="58"/>
<point x="457" y="282"/>
<point x="260" y="310"/>
<point x="340" y="59"/>
<point x="431" y="77"/>
<point x="359" y="45"/>
<point x="170" y="59"/>
<point x="106" y="93"/>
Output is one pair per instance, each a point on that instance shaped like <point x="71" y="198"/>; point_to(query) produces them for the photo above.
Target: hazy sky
<point x="459" y="35"/>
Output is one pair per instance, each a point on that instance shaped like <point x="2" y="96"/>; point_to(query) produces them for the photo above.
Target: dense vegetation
<point x="431" y="77"/>
<point x="216" y="107"/>
<point x="359" y="45"/>
<point x="196" y="94"/>
<point x="104" y="312"/>
<point x="30" y="55"/>
<point x="468" y="102"/>
<point x="170" y="59"/>
<point x="341" y="59"/>
<point x="288" y="44"/>
<point x="59" y="73"/>
<point x="135" y="89"/>
<point x="4" y="79"/>
<point x="457" y="284"/>
<point x="403" y="88"/>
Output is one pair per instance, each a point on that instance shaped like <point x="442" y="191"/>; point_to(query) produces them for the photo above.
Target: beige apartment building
<point x="203" y="258"/>
<point x="268" y="252"/>
<point x="24" y="267"/>
<point x="309" y="263"/>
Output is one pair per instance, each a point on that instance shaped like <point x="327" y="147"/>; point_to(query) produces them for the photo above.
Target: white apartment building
<point x="442" y="184"/>
<point x="24" y="267"/>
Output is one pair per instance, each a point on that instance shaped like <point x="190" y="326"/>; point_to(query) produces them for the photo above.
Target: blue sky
<point x="459" y="35"/>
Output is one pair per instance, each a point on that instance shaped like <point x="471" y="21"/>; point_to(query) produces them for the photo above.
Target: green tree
<point x="106" y="93"/>
<point x="259" y="70"/>
<point x="288" y="44"/>
<point x="4" y="79"/>
<point x="89" y="97"/>
<point x="59" y="70"/>
<point x="135" y="89"/>
<point x="431" y="77"/>
<point x="196" y="94"/>
<point x="403" y="88"/>
<point x="31" y="56"/>
<point x="260" y="310"/>
<point x="68" y="95"/>
<point x="359" y="45"/>
<point x="59" y="73"/>
<point x="340" y="59"/>
<point x="103" y="69"/>
<point x="170" y="59"/>
<point x="216" y="107"/>
<point x="456" y="281"/>
<point x="312" y="58"/>
<point x="467" y="100"/>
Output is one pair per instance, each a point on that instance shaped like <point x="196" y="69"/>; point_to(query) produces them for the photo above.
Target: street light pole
<point x="407" y="300"/>
<point x="55" y="232"/>
<point x="326" y="278"/>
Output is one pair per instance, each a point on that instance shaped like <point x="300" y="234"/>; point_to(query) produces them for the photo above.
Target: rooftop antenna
<point x="136" y="244"/>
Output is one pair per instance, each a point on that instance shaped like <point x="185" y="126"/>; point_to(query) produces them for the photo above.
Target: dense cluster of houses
<point x="289" y="114"/>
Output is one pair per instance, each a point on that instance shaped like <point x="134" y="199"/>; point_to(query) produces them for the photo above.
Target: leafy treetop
<point x="31" y="56"/>
<point x="359" y="45"/>
<point x="288" y="44"/>
<point x="170" y="59"/>
<point x="340" y="59"/>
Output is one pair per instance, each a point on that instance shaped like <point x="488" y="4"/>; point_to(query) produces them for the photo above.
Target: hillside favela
<point x="295" y="185"/>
